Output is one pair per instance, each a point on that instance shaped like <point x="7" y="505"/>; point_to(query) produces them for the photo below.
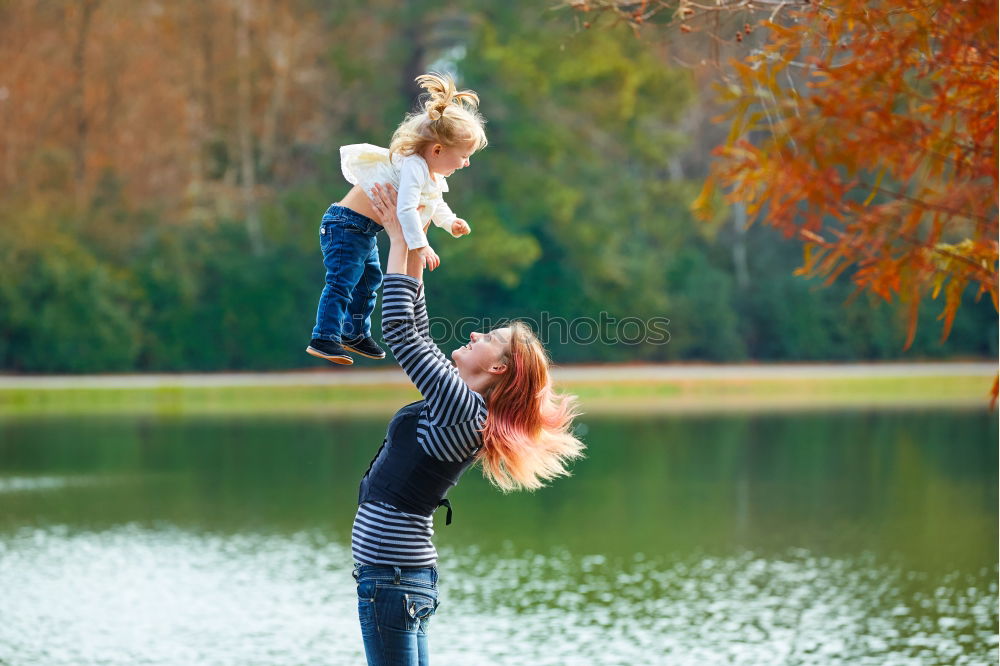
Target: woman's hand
<point x="384" y="200"/>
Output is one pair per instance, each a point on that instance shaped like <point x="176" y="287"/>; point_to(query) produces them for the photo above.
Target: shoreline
<point x="335" y="375"/>
<point x="607" y="389"/>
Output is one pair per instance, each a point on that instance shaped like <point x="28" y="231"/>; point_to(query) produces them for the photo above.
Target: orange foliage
<point x="869" y="131"/>
<point x="866" y="129"/>
<point x="146" y="93"/>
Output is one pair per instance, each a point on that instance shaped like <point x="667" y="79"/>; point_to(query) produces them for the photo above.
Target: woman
<point x="494" y="405"/>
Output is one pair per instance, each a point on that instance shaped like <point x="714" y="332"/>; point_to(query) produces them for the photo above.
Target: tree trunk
<point x="208" y="17"/>
<point x="244" y="108"/>
<point x="79" y="97"/>
<point x="740" y="245"/>
<point x="414" y="65"/>
<point x="199" y="103"/>
<point x="281" y="52"/>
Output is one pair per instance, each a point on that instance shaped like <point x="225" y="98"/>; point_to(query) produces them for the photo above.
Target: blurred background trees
<point x="163" y="169"/>
<point x="867" y="130"/>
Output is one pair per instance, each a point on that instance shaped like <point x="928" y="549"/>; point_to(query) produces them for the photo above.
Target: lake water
<point x="860" y="537"/>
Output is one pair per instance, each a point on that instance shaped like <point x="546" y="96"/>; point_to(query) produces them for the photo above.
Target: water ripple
<point x="800" y="609"/>
<point x="166" y="596"/>
<point x="18" y="484"/>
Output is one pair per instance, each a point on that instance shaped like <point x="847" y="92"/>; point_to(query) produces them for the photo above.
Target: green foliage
<point x="213" y="305"/>
<point x="573" y="212"/>
<point x="784" y="317"/>
<point x="60" y="309"/>
<point x="579" y="127"/>
<point x="704" y="323"/>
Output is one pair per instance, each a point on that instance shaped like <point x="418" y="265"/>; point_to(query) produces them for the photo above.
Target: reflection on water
<point x="861" y="537"/>
<point x="166" y="596"/>
<point x="743" y="609"/>
<point x="138" y="596"/>
<point x="28" y="484"/>
<point x="18" y="484"/>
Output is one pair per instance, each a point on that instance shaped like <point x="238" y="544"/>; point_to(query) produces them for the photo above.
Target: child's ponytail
<point x="441" y="92"/>
<point x="449" y="117"/>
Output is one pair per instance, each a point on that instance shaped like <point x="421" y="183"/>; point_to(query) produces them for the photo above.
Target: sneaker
<point x="365" y="346"/>
<point x="331" y="351"/>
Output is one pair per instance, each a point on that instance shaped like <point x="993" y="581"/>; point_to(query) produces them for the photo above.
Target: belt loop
<point x="397" y="574"/>
<point x="445" y="503"/>
<point x="434" y="575"/>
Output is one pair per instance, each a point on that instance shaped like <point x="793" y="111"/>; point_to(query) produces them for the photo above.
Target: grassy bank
<point x="596" y="395"/>
<point x="790" y="393"/>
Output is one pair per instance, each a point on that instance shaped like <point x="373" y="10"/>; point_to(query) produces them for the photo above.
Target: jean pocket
<point x="326" y="237"/>
<point x="405" y="609"/>
<point x="418" y="608"/>
<point x="366" y="591"/>
<point x="366" y="607"/>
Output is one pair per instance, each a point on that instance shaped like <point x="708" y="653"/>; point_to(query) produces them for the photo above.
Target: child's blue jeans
<point x="353" y="274"/>
<point x="395" y="605"/>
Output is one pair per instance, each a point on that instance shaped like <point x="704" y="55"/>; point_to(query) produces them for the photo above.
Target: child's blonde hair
<point x="449" y="117"/>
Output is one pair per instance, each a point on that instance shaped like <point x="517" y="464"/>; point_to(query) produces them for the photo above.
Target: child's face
<point x="446" y="160"/>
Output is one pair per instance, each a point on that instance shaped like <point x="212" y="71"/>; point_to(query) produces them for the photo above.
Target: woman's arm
<point x="401" y="260"/>
<point x="404" y="263"/>
<point x="449" y="398"/>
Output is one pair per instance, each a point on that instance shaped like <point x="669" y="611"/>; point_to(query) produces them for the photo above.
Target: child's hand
<point x="428" y="257"/>
<point x="460" y="228"/>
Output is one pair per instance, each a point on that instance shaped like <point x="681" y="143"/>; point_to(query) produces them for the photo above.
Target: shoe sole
<point x="358" y="351"/>
<point x="341" y="359"/>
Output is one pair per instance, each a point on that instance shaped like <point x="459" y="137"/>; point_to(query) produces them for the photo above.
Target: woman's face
<point x="483" y="353"/>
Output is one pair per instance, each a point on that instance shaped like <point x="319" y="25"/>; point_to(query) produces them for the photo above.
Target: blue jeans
<point x="395" y="605"/>
<point x="353" y="274"/>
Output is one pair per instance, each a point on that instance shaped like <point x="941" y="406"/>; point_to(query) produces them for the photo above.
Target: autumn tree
<point x="145" y="147"/>
<point x="867" y="130"/>
<point x="190" y="108"/>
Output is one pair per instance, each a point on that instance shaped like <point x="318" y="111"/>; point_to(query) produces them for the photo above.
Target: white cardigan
<point x="419" y="199"/>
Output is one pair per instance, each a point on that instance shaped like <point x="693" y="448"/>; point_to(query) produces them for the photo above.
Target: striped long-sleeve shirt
<point x="447" y="428"/>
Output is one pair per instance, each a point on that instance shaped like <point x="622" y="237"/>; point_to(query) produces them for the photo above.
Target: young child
<point x="427" y="147"/>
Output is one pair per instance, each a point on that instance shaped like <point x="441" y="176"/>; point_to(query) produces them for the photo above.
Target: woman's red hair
<point x="527" y="439"/>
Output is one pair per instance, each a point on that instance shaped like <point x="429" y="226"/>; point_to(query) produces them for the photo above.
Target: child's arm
<point x="412" y="175"/>
<point x="444" y="217"/>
